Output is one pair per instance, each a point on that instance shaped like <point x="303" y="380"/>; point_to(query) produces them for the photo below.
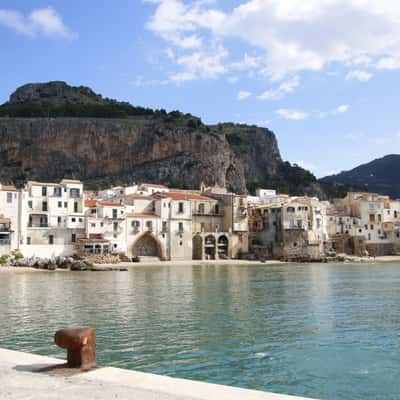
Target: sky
<point x="323" y="75"/>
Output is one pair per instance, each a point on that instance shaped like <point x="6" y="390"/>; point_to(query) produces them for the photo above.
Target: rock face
<point x="173" y="149"/>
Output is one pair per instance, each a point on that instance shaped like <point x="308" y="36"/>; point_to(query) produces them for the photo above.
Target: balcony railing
<point x="35" y="225"/>
<point x="5" y="242"/>
<point x="208" y="213"/>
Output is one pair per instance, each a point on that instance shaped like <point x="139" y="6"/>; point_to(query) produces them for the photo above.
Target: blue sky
<point x="322" y="74"/>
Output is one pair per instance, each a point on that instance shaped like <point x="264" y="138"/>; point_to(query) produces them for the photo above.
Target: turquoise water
<point x="328" y="331"/>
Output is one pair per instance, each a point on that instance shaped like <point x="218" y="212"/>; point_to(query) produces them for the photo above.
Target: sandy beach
<point x="128" y="265"/>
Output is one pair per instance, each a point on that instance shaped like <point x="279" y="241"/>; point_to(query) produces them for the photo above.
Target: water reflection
<point x="328" y="331"/>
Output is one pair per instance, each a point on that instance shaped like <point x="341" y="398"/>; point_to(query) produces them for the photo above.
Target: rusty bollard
<point x="81" y="346"/>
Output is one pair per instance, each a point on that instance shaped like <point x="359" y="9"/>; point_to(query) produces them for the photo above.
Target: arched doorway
<point x="223" y="246"/>
<point x="197" y="247"/>
<point x="147" y="246"/>
<point x="209" y="247"/>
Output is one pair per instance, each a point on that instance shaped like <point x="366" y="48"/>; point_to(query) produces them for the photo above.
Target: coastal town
<point x="150" y="222"/>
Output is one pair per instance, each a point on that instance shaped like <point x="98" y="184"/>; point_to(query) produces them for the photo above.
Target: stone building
<point x="104" y="220"/>
<point x="9" y="218"/>
<point x="293" y="230"/>
<point x="51" y="218"/>
<point x="377" y="220"/>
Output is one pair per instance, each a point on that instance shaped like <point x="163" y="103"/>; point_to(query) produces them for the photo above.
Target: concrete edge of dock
<point x="22" y="377"/>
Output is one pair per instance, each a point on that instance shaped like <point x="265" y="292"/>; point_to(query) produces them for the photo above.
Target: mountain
<point x="49" y="131"/>
<point x="381" y="175"/>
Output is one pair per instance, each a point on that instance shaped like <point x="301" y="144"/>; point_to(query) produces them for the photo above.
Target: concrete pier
<point x="20" y="379"/>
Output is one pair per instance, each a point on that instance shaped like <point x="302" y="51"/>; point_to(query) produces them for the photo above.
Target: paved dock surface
<point x="20" y="379"/>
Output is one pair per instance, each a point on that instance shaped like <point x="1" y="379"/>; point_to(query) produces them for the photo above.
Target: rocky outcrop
<point x="56" y="91"/>
<point x="150" y="146"/>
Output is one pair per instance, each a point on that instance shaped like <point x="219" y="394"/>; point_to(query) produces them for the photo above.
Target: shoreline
<point x="129" y="265"/>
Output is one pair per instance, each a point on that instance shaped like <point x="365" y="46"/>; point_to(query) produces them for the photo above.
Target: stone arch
<point x="223" y="246"/>
<point x="197" y="247"/>
<point x="210" y="247"/>
<point x="147" y="245"/>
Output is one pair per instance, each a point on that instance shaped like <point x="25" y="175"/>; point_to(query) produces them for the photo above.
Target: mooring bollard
<point x="80" y="344"/>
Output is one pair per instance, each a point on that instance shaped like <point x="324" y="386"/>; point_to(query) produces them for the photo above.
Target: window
<point x="164" y="226"/>
<point x="59" y="221"/>
<point x="93" y="211"/>
<point x="30" y="204"/>
<point x="149" y="225"/>
<point x="73" y="238"/>
<point x="80" y="219"/>
<point x="101" y="224"/>
<point x="75" y="207"/>
<point x="73" y="219"/>
<point x="201" y="208"/>
<point x="115" y="213"/>
<point x="44" y="191"/>
<point x="180" y="225"/>
<point x="57" y="191"/>
<point x="135" y="224"/>
<point x="372" y="227"/>
<point x="217" y="209"/>
<point x="369" y="236"/>
<point x="59" y="204"/>
<point x="9" y="197"/>
<point x="92" y="225"/>
<point x="51" y="239"/>
<point x="28" y="240"/>
<point x="65" y="204"/>
<point x="395" y="214"/>
<point x="290" y="210"/>
<point x="115" y="226"/>
<point x="74" y="193"/>
<point x="44" y="206"/>
<point x="180" y="207"/>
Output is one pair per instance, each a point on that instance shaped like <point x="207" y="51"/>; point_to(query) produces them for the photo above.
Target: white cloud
<point x="362" y="76"/>
<point x="389" y="63"/>
<point x="291" y="114"/>
<point x="342" y="109"/>
<point x="44" y="21"/>
<point x="283" y="89"/>
<point x="201" y="65"/>
<point x="243" y="95"/>
<point x="288" y="36"/>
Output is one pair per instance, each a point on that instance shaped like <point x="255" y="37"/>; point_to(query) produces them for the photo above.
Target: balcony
<point x="200" y="213"/>
<point x="38" y="225"/>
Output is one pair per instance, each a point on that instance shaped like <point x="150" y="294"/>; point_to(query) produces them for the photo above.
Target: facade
<point x="375" y="219"/>
<point x="104" y="221"/>
<point x="147" y="221"/>
<point x="51" y="218"/>
<point x="292" y="230"/>
<point x="9" y="218"/>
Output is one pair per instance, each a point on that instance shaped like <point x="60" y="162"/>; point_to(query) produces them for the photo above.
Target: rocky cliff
<point x="135" y="145"/>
